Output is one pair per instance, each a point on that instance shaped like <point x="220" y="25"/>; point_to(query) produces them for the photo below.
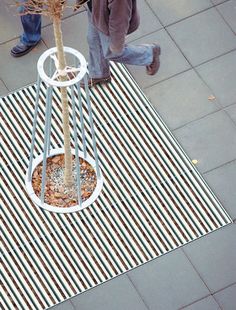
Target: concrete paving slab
<point x="18" y="72"/>
<point x="148" y="22"/>
<point x="211" y="140"/>
<point x="3" y="90"/>
<point x="222" y="181"/>
<point x="171" y="11"/>
<point x="231" y="111"/>
<point x="219" y="74"/>
<point x="172" y="61"/>
<point x="113" y="295"/>
<point x="169" y="282"/>
<point x="74" y="31"/>
<point x="207" y="303"/>
<point x="228" y="11"/>
<point x="10" y="25"/>
<point x="182" y="99"/>
<point x="227" y="298"/>
<point x="214" y="257"/>
<point x="215" y="2"/>
<point x="66" y="305"/>
<point x="212" y="36"/>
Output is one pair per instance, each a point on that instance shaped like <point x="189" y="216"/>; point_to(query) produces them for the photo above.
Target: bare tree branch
<point x="51" y="8"/>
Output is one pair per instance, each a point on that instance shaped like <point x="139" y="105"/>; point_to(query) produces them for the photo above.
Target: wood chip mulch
<point x="56" y="193"/>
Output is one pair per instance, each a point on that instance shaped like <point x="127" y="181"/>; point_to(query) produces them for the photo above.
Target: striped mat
<point x="153" y="200"/>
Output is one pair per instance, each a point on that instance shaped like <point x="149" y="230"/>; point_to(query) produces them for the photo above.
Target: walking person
<point x="109" y="21"/>
<point x="31" y="36"/>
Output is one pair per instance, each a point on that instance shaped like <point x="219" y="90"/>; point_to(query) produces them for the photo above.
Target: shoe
<point x="94" y="81"/>
<point x="21" y="49"/>
<point x="154" y="66"/>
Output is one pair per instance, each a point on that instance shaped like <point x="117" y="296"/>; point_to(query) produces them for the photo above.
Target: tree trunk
<point x="68" y="180"/>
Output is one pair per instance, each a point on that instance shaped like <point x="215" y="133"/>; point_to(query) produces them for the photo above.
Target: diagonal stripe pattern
<point x="153" y="200"/>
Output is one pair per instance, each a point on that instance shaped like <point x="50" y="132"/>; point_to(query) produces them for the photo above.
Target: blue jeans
<point x="32" y="29"/>
<point x="31" y="24"/>
<point x="100" y="54"/>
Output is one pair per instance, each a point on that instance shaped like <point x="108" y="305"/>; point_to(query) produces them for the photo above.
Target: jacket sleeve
<point x="119" y="20"/>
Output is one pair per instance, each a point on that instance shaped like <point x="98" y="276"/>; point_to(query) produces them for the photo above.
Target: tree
<point x="54" y="9"/>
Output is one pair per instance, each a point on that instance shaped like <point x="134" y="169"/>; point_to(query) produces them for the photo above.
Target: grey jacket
<point x="115" y="18"/>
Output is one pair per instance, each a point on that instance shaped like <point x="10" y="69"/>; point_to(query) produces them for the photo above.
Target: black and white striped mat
<point x="153" y="200"/>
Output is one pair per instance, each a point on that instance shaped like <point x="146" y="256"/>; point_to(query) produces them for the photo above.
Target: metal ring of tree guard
<point x="81" y="69"/>
<point x="75" y="208"/>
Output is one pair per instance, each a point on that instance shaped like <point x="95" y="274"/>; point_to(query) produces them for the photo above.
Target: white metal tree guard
<point x="77" y="73"/>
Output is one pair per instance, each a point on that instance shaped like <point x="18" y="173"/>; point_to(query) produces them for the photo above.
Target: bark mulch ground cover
<point x="56" y="193"/>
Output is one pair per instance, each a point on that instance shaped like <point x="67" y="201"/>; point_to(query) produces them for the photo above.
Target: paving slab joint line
<point x="10" y="40"/>
<point x="70" y="301"/>
<point x="203" y="63"/>
<point x="222" y="16"/>
<point x="18" y="36"/>
<point x="179" y="48"/>
<point x="182" y="19"/>
<point x="4" y="84"/>
<point x="218" y="56"/>
<point x="165" y="79"/>
<point x="211" y="294"/>
<point x="216" y="4"/>
<point x="221" y="109"/>
<point x="224" y="164"/>
<point x="137" y="291"/>
<point x="74" y="13"/>
<point x="194" y="67"/>
<point x="190" y="16"/>
<point x="64" y="301"/>
<point x="224" y="288"/>
<point x="216" y="302"/>
<point x="150" y="7"/>
<point x="145" y="35"/>
<point x="73" y="306"/>
<point x="228" y="114"/>
<point x="195" y="301"/>
<point x="182" y="249"/>
<point x="198" y="119"/>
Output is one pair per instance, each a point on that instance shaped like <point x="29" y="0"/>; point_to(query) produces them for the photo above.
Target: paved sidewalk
<point x="195" y="94"/>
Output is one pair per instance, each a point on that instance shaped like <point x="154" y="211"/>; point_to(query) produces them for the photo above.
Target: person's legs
<point x="100" y="55"/>
<point x="140" y="55"/>
<point x="98" y="65"/>
<point x="31" y="24"/>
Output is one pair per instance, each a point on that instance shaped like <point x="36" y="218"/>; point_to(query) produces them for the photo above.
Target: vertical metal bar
<point x="34" y="127"/>
<point x="91" y="125"/>
<point x="47" y="129"/>
<point x="50" y="66"/>
<point x="76" y="147"/>
<point x="50" y="112"/>
<point x="50" y="120"/>
<point x="82" y="120"/>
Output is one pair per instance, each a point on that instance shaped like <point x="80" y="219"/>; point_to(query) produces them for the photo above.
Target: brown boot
<point x="154" y="66"/>
<point x="94" y="81"/>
